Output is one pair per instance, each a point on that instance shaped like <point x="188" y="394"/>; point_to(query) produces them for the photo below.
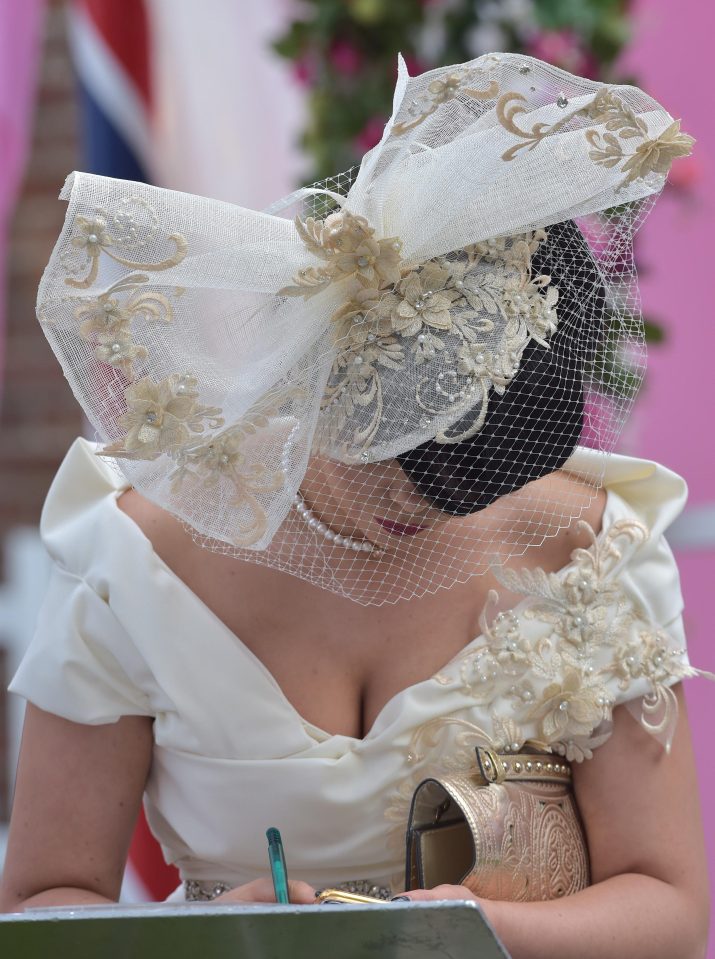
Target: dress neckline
<point x="317" y="732"/>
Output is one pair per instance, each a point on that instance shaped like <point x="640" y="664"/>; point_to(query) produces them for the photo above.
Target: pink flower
<point x="371" y="134"/>
<point x="605" y="244"/>
<point x="345" y="58"/>
<point x="564" y="49"/>
<point x="599" y="415"/>
<point x="414" y="66"/>
<point x="305" y="70"/>
<point x="686" y="174"/>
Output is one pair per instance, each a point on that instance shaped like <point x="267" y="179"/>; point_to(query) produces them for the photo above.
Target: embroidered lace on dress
<point x="547" y="672"/>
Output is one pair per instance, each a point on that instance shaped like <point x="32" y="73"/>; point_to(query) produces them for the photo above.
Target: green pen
<point x="276" y="858"/>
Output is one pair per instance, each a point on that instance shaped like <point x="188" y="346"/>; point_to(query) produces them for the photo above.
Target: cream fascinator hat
<point x="455" y="316"/>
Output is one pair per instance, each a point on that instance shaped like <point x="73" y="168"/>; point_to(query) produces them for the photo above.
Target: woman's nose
<point x="404" y="495"/>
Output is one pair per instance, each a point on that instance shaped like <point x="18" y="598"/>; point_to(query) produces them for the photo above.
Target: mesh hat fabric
<point x="535" y="425"/>
<point x="400" y="351"/>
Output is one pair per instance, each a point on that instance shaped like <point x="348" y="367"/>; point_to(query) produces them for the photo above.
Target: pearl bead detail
<point x="322" y="529"/>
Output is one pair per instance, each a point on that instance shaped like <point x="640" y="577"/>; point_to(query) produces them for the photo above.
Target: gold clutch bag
<point x="509" y="829"/>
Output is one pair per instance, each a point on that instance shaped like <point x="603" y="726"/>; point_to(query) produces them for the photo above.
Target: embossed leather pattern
<point x="515" y="840"/>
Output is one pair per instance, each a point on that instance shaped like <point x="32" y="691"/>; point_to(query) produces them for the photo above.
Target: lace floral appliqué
<point x="469" y="314"/>
<point x="578" y="638"/>
<point x="442" y="90"/>
<point x="162" y="417"/>
<point x="608" y="149"/>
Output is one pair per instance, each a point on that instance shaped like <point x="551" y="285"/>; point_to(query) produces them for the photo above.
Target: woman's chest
<point x="338" y="664"/>
<point x="341" y="667"/>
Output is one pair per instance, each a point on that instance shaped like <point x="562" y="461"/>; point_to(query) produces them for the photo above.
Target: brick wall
<point x="39" y="417"/>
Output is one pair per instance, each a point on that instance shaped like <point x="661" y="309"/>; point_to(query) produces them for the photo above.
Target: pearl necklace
<point x="312" y="521"/>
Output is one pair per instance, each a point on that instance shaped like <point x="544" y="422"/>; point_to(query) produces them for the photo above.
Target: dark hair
<point x="534" y="426"/>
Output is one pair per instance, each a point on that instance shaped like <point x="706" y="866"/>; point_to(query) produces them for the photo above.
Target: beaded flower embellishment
<point x="454" y="327"/>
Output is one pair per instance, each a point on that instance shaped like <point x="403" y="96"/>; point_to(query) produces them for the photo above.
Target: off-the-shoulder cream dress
<point x="119" y="633"/>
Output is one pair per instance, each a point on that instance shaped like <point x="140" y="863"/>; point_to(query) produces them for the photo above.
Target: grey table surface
<point x="453" y="930"/>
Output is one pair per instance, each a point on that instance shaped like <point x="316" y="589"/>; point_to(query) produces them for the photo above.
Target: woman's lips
<point x="397" y="529"/>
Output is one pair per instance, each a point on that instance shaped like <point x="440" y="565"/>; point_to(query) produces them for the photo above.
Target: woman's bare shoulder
<point x="163" y="530"/>
<point x="580" y="508"/>
<point x="573" y="492"/>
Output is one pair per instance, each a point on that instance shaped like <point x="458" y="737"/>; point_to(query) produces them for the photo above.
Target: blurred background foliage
<point x="345" y="53"/>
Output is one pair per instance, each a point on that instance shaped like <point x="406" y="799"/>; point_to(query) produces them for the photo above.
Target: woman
<point x="372" y="420"/>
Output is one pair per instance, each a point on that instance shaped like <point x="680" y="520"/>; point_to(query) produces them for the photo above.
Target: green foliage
<point x="654" y="333"/>
<point x="346" y="52"/>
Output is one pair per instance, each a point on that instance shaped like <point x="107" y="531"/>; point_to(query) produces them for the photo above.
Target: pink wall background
<point x="672" y="56"/>
<point x="20" y="28"/>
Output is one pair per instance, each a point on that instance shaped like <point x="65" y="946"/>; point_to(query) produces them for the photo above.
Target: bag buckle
<point x="490" y="765"/>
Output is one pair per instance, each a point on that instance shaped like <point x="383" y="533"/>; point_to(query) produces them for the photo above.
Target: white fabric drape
<point x="227" y="115"/>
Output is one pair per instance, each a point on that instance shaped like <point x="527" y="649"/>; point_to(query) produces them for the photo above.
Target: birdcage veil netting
<point x="373" y="384"/>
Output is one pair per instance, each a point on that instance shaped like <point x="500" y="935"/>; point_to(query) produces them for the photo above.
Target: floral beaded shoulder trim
<point x="546" y="674"/>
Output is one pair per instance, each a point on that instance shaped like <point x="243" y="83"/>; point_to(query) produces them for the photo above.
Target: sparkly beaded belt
<point x="198" y="890"/>
<point x="202" y="890"/>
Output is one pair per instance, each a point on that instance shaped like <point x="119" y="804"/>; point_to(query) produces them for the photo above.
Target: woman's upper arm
<point x="77" y="795"/>
<point x="641" y="807"/>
